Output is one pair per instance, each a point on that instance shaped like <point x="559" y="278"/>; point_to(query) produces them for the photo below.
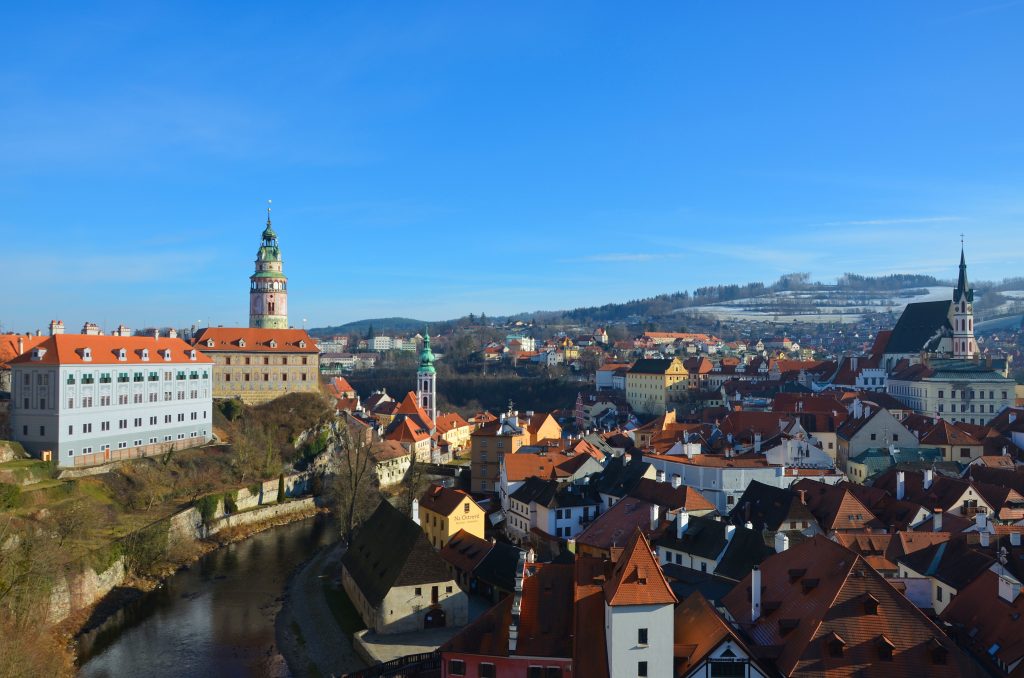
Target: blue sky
<point x="436" y="159"/>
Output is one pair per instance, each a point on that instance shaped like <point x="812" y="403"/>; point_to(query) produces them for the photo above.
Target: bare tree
<point x="352" y="491"/>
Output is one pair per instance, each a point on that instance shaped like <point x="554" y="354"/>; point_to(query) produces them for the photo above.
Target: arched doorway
<point x="434" y="619"/>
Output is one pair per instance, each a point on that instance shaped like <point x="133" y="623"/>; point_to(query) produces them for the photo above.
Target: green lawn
<point x="344" y="611"/>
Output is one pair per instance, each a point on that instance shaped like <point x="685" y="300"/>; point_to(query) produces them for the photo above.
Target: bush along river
<point x="214" y="618"/>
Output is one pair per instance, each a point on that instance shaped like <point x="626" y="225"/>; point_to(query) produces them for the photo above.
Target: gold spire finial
<point x="268" y="213"/>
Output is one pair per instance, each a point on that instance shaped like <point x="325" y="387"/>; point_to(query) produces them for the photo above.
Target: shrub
<point x="280" y="489"/>
<point x="255" y="488"/>
<point x="145" y="547"/>
<point x="230" y="501"/>
<point x="207" y="507"/>
<point x="10" y="496"/>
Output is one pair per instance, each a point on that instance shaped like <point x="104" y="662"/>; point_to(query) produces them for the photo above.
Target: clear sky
<point x="436" y="159"/>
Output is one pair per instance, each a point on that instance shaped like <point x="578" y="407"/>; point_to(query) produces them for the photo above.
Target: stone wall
<point x="9" y="451"/>
<point x="78" y="590"/>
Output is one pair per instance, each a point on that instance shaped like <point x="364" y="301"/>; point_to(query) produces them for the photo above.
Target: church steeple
<point x="964" y="344"/>
<point x="426" y="379"/>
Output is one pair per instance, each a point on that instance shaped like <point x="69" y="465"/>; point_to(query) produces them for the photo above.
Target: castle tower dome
<point x="426" y="379"/>
<point x="268" y="286"/>
<point x="964" y="344"/>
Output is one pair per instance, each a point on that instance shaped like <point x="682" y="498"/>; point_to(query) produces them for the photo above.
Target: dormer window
<point x="192" y="354"/>
<point x="145" y="354"/>
<point x="209" y="343"/>
<point x="302" y="343"/>
<point x="272" y="344"/>
<point x="167" y="354"/>
<point x="122" y="354"/>
<point x="870" y="605"/>
<point x="885" y="648"/>
<point x="86" y="353"/>
<point x="38" y="353"/>
<point x="241" y="343"/>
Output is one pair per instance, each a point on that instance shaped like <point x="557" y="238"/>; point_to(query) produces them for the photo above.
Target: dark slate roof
<point x="498" y="568"/>
<point x="651" y="366"/>
<point x="684" y="581"/>
<point x="746" y="549"/>
<point x="769" y="507"/>
<point x="952" y="562"/>
<point x="536" y="489"/>
<point x="917" y="325"/>
<point x="620" y="475"/>
<point x="704" y="538"/>
<point x="391" y="550"/>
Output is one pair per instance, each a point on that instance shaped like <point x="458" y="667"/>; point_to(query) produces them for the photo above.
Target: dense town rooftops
<point x="668" y="497"/>
<point x="825" y="611"/>
<point x="254" y="340"/>
<point x="88" y="349"/>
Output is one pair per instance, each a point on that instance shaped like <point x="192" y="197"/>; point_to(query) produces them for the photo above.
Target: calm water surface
<point x="216" y="619"/>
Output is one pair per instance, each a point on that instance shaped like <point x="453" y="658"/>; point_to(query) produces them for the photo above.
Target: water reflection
<point x="216" y="619"/>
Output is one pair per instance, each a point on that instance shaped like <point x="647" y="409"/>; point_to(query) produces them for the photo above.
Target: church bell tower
<point x="268" y="286"/>
<point x="426" y="380"/>
<point x="964" y="345"/>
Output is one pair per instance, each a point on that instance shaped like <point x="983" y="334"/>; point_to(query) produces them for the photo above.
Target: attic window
<point x="145" y="354"/>
<point x="209" y="343"/>
<point x="272" y="344"/>
<point x="836" y="645"/>
<point x="809" y="585"/>
<point x="122" y="354"/>
<point x="38" y="353"/>
<point x="870" y="605"/>
<point x="885" y="648"/>
<point x="192" y="354"/>
<point x="796" y="573"/>
<point x="302" y="343"/>
<point x="167" y="354"/>
<point x="87" y="353"/>
<point x="787" y="625"/>
<point x="241" y="343"/>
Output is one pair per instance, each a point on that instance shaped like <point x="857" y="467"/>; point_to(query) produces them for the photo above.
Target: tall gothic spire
<point x="962" y="286"/>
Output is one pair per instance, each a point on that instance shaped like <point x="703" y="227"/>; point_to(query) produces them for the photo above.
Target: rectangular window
<point x="456" y="667"/>
<point x="488" y="671"/>
<point x="641" y="636"/>
<point x="71" y="430"/>
<point x="641" y="669"/>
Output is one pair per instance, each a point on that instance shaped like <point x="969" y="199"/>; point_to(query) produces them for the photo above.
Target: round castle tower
<point x="268" y="286"/>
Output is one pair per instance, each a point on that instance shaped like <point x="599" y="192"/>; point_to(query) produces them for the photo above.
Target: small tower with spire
<point x="426" y="380"/>
<point x="964" y="345"/>
<point x="268" y="286"/>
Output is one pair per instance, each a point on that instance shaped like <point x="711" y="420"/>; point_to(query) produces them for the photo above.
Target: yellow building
<point x="444" y="511"/>
<point x="542" y="426"/>
<point x="489" y="444"/>
<point x="258" y="365"/>
<point x="651" y="382"/>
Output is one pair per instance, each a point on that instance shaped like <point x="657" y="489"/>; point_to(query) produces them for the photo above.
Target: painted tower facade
<point x="426" y="380"/>
<point x="268" y="286"/>
<point x="964" y="345"/>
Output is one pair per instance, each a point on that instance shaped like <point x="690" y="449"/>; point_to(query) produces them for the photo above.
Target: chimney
<point x="531" y="556"/>
<point x="416" y="511"/>
<point x="928" y="478"/>
<point x="980" y="521"/>
<point x="781" y="542"/>
<point x="156" y="334"/>
<point x="661" y="476"/>
<point x="984" y="540"/>
<point x="682" y="522"/>
<point x="755" y="594"/>
<point x="654" y="517"/>
<point x="803" y="496"/>
<point x="937" y="521"/>
<point x="1012" y="417"/>
<point x="21" y="344"/>
<point x="1009" y="588"/>
<point x="56" y="327"/>
<point x="757" y="442"/>
<point x="901" y="485"/>
<point x="677" y="480"/>
<point x="1015" y="539"/>
<point x="173" y="333"/>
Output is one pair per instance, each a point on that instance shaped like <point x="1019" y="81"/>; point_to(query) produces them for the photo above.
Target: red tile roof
<point x="983" y="620"/>
<point x="67" y="349"/>
<point x="13" y="345"/>
<point x="255" y="339"/>
<point x="818" y="595"/>
<point x="637" y="578"/>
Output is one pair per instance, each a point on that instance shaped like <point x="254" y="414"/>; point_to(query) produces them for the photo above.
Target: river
<point x="214" y="619"/>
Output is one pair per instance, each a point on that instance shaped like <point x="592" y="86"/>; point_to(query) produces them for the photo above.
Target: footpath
<point x="308" y="634"/>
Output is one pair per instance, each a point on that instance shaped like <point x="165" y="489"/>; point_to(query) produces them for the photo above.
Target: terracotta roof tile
<point x="222" y="339"/>
<point x="67" y="349"/>
<point x="637" y="578"/>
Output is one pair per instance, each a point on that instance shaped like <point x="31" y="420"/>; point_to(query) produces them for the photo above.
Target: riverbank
<point x="308" y="634"/>
<point x="126" y="589"/>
